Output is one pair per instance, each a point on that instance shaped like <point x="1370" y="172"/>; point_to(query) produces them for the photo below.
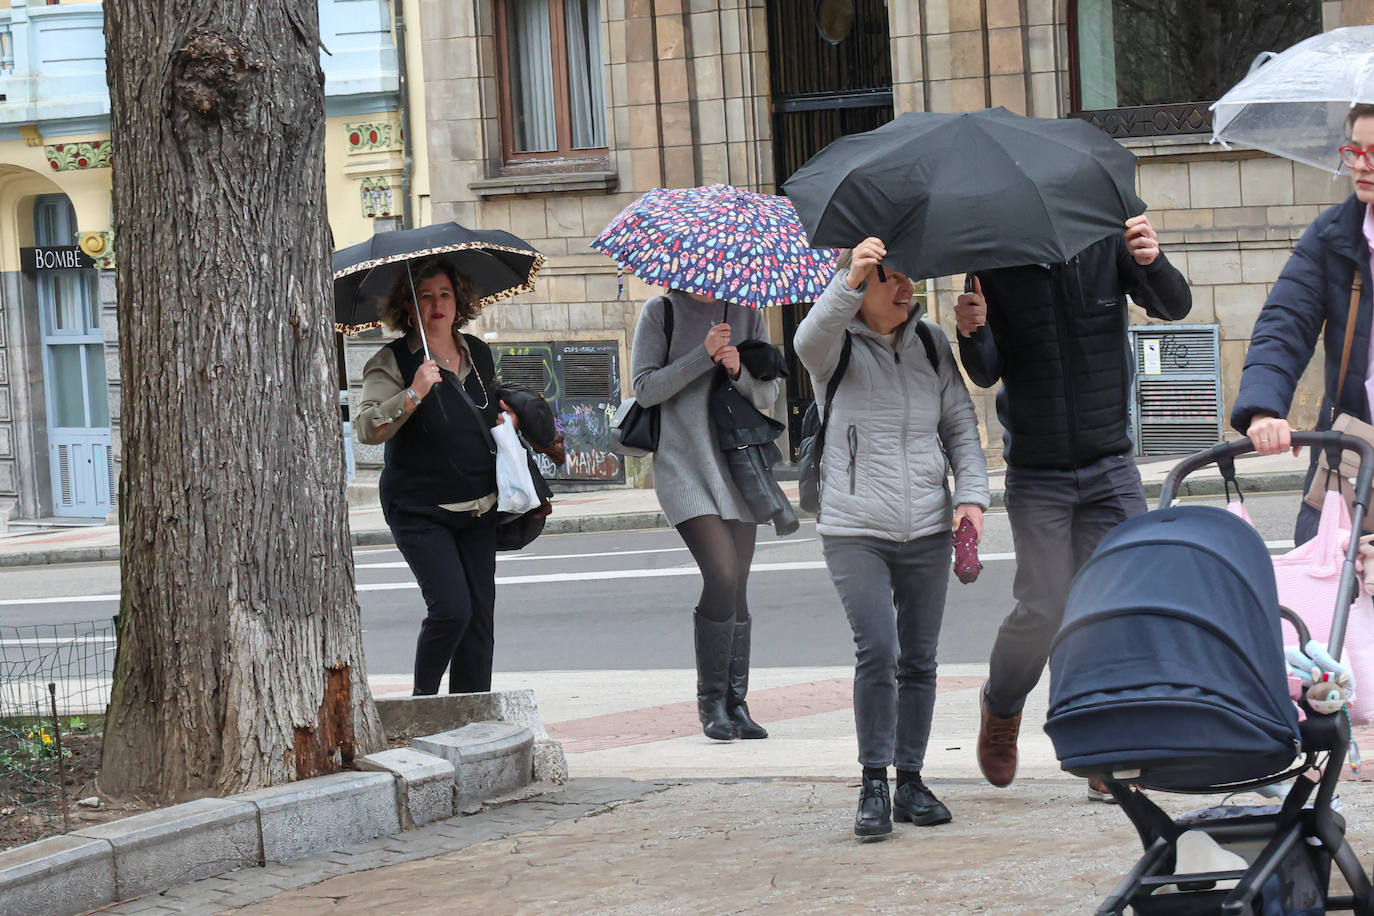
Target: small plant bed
<point x="31" y="802"/>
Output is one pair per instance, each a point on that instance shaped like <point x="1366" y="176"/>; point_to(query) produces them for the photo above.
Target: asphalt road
<point x="619" y="600"/>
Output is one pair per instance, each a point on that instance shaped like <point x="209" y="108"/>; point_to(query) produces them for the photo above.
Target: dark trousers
<point x="1057" y="520"/>
<point x="894" y="596"/>
<point x="453" y="557"/>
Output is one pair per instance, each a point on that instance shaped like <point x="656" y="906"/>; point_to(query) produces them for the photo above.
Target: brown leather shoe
<point x="997" y="745"/>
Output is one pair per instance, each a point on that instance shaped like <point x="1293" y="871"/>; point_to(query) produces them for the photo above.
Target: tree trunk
<point x="240" y="658"/>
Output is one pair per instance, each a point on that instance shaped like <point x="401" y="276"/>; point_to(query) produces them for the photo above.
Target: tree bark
<point x="239" y="661"/>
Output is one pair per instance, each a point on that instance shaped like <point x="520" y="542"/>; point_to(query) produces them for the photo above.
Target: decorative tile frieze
<point x="100" y="247"/>
<point x="66" y="157"/>
<point x="377" y="197"/>
<point x="373" y="135"/>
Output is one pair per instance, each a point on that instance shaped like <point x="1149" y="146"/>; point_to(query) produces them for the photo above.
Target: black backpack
<point x="813" y="427"/>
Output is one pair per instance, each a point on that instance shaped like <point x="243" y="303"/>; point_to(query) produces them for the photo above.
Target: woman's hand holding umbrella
<point x="426" y="377"/>
<point x="719" y="349"/>
<point x="867" y="256"/>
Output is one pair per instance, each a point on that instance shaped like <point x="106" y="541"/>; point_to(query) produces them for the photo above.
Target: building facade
<point x="59" y="363"/>
<point x="546" y="117"/>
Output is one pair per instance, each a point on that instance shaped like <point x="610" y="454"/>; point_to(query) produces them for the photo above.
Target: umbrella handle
<point x="882" y="277"/>
<point x="1260" y="60"/>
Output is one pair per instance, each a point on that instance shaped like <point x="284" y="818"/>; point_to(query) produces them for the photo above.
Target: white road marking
<point x="545" y="578"/>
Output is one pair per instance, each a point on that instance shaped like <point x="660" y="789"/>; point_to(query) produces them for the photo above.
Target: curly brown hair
<point x="397" y="309"/>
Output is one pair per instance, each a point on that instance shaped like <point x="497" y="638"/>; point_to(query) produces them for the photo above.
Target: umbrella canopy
<point x="1294" y="104"/>
<point x="498" y="264"/>
<point x="719" y="241"/>
<point x="949" y="193"/>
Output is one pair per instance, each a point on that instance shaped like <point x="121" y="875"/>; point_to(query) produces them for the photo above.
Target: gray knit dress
<point x="689" y="471"/>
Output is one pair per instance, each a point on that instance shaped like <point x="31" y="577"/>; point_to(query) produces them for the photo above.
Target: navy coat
<point x="1312" y="294"/>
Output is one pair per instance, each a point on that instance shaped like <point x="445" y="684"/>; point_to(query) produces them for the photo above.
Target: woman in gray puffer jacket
<point x="897" y="423"/>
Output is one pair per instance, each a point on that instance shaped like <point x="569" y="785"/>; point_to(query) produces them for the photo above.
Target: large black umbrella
<point x="498" y="264"/>
<point x="949" y="193"/>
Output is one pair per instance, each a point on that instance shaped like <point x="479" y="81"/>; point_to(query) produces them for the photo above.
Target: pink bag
<point x="1308" y="577"/>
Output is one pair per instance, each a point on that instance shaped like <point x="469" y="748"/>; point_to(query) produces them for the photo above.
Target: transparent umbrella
<point x="1294" y="104"/>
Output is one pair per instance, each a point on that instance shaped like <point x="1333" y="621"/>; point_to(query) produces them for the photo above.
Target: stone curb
<point x="1278" y="482"/>
<point x="391" y="791"/>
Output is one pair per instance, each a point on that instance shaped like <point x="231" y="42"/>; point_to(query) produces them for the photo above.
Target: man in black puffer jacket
<point x="1055" y="335"/>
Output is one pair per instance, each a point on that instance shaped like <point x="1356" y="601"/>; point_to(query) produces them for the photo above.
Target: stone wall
<point x="688" y="104"/>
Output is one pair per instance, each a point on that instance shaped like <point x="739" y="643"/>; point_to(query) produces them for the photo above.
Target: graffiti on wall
<point x="583" y="407"/>
<point x="586" y="432"/>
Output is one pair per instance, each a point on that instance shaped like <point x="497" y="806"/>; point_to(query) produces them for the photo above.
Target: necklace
<point x="486" y="397"/>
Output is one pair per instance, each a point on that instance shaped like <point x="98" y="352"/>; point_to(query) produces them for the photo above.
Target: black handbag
<point x="635" y="428"/>
<point x="813" y="438"/>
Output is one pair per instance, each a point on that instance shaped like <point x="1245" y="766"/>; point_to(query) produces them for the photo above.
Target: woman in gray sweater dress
<point x="694" y="487"/>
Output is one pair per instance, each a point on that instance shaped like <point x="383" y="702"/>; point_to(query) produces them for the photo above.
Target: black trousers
<point x="1057" y="520"/>
<point x="453" y="557"/>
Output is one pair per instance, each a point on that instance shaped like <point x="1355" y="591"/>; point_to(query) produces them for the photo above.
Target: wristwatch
<point x="414" y="398"/>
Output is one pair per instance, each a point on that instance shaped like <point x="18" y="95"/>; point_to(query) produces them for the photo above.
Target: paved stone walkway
<point x="582" y="798"/>
<point x="785" y="846"/>
<point x="777" y="846"/>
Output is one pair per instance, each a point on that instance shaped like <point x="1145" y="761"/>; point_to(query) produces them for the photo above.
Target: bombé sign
<point x="45" y="258"/>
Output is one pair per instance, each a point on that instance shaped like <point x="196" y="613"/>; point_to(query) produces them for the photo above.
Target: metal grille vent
<point x="114" y="479"/>
<point x="587" y="375"/>
<point x="1176" y="406"/>
<point x="64" y="470"/>
<point x="525" y="369"/>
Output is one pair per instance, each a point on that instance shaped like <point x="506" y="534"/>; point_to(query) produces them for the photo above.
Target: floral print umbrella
<point x="719" y="241"/>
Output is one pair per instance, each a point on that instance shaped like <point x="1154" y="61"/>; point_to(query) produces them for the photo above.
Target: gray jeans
<point x="894" y="596"/>
<point x="1057" y="520"/>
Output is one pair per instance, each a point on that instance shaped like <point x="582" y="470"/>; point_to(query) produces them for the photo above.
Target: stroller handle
<point x="1224" y="453"/>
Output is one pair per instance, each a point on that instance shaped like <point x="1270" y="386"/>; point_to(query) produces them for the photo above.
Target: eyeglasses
<point x="1351" y="156"/>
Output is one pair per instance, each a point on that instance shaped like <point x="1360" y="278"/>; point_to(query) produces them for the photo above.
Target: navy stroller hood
<point x="1170" y="658"/>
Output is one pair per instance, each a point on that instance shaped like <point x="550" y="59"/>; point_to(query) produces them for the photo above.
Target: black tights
<point x="723" y="551"/>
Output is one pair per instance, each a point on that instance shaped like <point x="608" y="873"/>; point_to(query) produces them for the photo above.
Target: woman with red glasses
<point x="1313" y="296"/>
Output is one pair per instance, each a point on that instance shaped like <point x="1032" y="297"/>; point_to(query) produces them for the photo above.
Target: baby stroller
<point x="1168" y="673"/>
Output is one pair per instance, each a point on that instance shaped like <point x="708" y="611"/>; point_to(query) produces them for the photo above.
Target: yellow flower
<point x="47" y="738"/>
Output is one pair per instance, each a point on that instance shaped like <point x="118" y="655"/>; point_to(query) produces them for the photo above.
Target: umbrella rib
<point x="1095" y="160"/>
<point x="1049" y="220"/>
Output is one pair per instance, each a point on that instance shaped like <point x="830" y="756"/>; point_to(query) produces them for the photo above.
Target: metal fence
<point x="53" y="679"/>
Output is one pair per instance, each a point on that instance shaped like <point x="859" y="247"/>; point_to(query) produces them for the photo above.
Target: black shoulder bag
<point x="813" y="437"/>
<point x="512" y="531"/>
<point x="634" y="431"/>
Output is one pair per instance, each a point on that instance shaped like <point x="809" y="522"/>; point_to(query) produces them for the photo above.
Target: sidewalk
<point x="659" y="819"/>
<point x="609" y="509"/>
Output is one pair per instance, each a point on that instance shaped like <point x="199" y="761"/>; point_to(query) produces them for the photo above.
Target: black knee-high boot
<point x="739" y="684"/>
<point x="713" y="641"/>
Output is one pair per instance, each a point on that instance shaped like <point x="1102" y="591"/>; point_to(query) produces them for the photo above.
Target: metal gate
<point x="582" y="383"/>
<point x="78" y="407"/>
<point x="1176" y="395"/>
<point x="826" y="83"/>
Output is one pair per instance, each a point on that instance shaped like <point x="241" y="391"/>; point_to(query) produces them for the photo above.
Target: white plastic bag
<point x="515" y="490"/>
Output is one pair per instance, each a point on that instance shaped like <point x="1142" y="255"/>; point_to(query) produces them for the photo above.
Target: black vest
<point x="1066" y="365"/>
<point x="440" y="454"/>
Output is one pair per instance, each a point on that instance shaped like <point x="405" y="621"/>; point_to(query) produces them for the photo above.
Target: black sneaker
<point x="915" y="804"/>
<point x="874" y="817"/>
